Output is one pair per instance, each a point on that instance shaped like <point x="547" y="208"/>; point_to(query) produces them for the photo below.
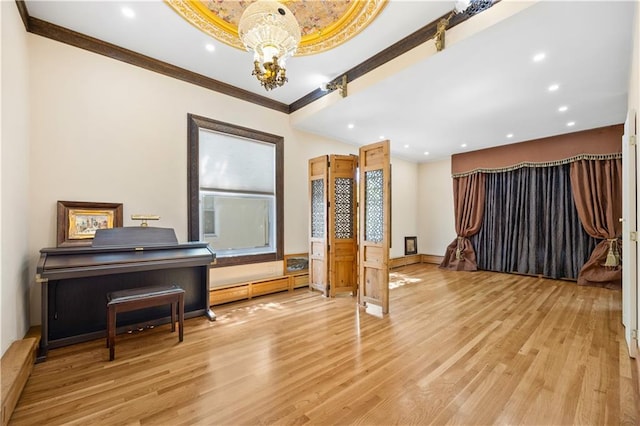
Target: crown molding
<point x="414" y="39"/>
<point x="67" y="36"/>
<point x="72" y="38"/>
<point x="24" y="13"/>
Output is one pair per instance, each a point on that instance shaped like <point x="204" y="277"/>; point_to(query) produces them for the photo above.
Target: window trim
<point x="195" y="123"/>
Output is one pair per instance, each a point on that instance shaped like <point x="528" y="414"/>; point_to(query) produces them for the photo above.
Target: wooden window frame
<point x="195" y="123"/>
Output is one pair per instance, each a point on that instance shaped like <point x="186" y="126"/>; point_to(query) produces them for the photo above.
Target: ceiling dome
<point x="323" y="24"/>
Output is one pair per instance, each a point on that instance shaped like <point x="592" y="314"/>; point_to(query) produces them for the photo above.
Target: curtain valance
<point x="604" y="143"/>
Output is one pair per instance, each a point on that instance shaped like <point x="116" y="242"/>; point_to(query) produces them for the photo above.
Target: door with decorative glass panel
<point x="343" y="247"/>
<point x="375" y="222"/>
<point x="333" y="242"/>
<point x="318" y="244"/>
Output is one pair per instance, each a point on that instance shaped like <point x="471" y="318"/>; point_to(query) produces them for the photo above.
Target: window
<point x="237" y="223"/>
<point x="235" y="186"/>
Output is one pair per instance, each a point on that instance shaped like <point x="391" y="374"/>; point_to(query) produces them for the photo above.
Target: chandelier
<point x="269" y="30"/>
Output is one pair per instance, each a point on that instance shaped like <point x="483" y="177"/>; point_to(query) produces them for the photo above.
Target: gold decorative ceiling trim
<point x="350" y="27"/>
<point x="320" y="31"/>
<point x="192" y="14"/>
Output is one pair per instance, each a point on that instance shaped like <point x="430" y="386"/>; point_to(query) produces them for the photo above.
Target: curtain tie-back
<point x="613" y="255"/>
<point x="459" y="249"/>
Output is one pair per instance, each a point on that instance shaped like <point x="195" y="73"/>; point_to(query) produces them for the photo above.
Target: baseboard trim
<point x="250" y="289"/>
<point x="411" y="259"/>
<point x="16" y="366"/>
<point x="432" y="258"/>
<point x="397" y="262"/>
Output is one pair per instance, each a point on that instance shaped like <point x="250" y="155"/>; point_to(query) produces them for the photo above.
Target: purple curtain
<point x="531" y="225"/>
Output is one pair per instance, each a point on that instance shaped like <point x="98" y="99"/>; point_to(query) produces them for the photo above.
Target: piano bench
<point x="140" y="298"/>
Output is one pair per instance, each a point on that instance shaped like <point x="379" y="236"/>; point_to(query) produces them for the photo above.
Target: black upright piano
<point x="76" y="280"/>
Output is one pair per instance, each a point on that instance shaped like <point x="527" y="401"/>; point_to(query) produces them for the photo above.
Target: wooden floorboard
<point x="456" y="348"/>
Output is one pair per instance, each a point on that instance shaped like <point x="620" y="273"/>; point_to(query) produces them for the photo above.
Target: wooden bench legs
<point x="140" y="298"/>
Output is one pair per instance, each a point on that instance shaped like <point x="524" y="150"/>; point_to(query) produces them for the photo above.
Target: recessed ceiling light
<point x="554" y="87"/>
<point x="406" y="146"/>
<point x="464" y="145"/>
<point x="510" y="135"/>
<point x="210" y="47"/>
<point x="571" y="124"/>
<point x="563" y="108"/>
<point x="350" y="125"/>
<point x="426" y="153"/>
<point x="128" y="12"/>
<point x="539" y="57"/>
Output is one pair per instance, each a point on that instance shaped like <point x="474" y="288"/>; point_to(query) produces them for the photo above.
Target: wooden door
<point x="375" y="210"/>
<point x="629" y="234"/>
<point x="318" y="245"/>
<point x="343" y="244"/>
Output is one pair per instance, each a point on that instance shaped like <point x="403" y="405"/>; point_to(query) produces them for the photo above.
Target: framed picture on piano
<point x="79" y="220"/>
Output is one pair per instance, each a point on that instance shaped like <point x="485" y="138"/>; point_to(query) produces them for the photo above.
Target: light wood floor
<point x="457" y="348"/>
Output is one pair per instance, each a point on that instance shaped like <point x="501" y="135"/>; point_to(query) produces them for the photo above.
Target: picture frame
<point x="410" y="245"/>
<point x="296" y="263"/>
<point x="78" y="221"/>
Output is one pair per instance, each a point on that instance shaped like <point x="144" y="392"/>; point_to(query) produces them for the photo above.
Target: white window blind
<point x="231" y="163"/>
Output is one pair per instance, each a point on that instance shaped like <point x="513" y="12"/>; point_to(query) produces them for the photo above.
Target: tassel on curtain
<point x="613" y="255"/>
<point x="468" y="195"/>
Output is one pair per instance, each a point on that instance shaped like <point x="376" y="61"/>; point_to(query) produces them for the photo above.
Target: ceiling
<point x="484" y="89"/>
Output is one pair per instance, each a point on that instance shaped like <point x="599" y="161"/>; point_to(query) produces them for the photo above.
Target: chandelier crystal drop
<point x="269" y="30"/>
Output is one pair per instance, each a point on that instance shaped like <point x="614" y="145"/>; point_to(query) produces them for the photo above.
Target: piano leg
<point x="210" y="314"/>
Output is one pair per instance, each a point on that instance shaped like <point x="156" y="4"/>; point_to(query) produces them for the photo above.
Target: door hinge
<point x="633" y="236"/>
<point x="634" y="334"/>
<point x="632" y="140"/>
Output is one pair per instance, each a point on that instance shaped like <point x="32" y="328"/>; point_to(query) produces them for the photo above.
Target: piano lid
<point x="123" y="250"/>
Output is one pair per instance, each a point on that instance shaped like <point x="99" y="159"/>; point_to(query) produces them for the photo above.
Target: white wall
<point x="404" y="205"/>
<point x="634" y="74"/>
<point x="14" y="225"/>
<point x="103" y="130"/>
<point x="436" y="223"/>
